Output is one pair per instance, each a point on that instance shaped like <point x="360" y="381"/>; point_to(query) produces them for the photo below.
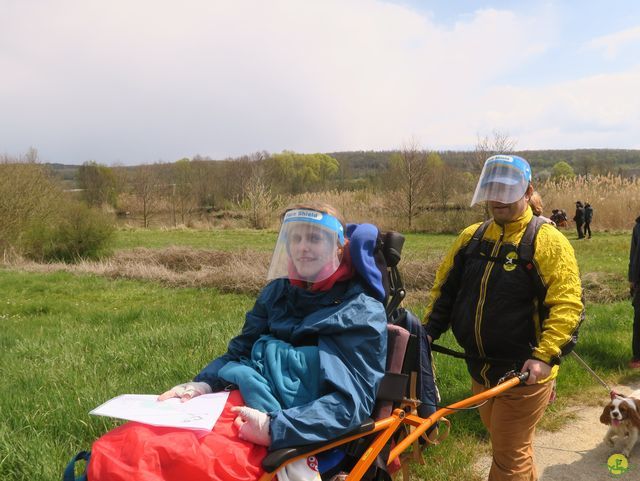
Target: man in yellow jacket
<point x="510" y="291"/>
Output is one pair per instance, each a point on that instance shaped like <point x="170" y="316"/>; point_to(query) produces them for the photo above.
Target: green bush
<point x="27" y="196"/>
<point x="78" y="232"/>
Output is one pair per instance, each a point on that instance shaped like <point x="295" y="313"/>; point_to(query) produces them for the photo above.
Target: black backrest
<point x="390" y="250"/>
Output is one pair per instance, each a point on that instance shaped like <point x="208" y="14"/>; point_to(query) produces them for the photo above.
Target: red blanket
<point x="138" y="452"/>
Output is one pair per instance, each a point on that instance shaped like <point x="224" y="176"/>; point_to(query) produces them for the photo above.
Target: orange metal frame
<point x="387" y="426"/>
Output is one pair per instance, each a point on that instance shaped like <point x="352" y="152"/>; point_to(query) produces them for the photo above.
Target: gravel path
<point x="576" y="452"/>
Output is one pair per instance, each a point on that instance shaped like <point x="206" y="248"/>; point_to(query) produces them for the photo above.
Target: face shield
<point x="504" y="179"/>
<point x="309" y="246"/>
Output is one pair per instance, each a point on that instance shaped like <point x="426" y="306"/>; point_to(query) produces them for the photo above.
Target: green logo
<point x="617" y="464"/>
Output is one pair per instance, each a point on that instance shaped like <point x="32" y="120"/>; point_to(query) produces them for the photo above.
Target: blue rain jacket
<point x="349" y="329"/>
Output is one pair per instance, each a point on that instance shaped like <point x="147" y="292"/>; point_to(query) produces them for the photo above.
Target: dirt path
<point x="576" y="452"/>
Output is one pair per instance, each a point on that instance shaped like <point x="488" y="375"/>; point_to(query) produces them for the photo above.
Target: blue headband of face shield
<point x="502" y="163"/>
<point x="314" y="217"/>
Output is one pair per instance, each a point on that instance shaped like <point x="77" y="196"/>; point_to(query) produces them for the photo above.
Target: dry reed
<point x="615" y="200"/>
<point x="243" y="271"/>
<point x="237" y="272"/>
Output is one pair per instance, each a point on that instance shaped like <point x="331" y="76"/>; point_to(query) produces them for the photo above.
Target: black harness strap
<point x="526" y="246"/>
<point x="474" y="243"/>
<point x="525" y="251"/>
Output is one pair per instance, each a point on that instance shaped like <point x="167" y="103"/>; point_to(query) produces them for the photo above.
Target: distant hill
<point x="622" y="161"/>
<point x="364" y="164"/>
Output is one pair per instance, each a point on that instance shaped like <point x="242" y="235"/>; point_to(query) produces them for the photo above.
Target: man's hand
<point x="537" y="370"/>
<point x="186" y="391"/>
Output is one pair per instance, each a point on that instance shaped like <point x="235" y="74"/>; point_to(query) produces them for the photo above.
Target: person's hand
<point x="430" y="339"/>
<point x="186" y="391"/>
<point x="253" y="425"/>
<point x="537" y="370"/>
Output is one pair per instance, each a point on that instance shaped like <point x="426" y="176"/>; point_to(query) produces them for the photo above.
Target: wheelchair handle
<point x="522" y="376"/>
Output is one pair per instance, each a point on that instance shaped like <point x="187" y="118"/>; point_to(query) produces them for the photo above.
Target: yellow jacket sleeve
<point x="557" y="266"/>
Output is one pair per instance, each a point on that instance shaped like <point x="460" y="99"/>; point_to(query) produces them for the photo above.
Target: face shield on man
<point x="504" y="179"/>
<point x="309" y="246"/>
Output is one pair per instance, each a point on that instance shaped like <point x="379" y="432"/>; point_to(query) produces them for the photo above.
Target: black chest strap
<point x="525" y="249"/>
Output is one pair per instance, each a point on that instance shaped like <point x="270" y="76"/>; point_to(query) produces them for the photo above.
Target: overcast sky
<point x="141" y="81"/>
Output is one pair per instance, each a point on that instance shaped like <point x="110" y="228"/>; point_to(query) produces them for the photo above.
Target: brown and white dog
<point x="622" y="415"/>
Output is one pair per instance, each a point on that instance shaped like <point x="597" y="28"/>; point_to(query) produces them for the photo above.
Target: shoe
<point x="634" y="364"/>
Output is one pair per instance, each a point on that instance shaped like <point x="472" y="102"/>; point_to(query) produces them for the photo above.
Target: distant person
<point x="564" y="220"/>
<point x="634" y="285"/>
<point x="559" y="217"/>
<point x="588" y="215"/>
<point x="578" y="218"/>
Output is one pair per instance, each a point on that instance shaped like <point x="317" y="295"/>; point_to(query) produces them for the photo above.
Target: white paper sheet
<point x="201" y="412"/>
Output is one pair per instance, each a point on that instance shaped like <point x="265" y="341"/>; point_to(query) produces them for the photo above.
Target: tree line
<point x="413" y="178"/>
<point x="261" y="182"/>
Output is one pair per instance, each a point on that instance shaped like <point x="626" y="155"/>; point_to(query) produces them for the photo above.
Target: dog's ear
<point x="605" y="417"/>
<point x="634" y="414"/>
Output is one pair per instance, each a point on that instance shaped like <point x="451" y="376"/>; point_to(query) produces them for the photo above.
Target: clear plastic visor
<point x="305" y="251"/>
<point x="500" y="183"/>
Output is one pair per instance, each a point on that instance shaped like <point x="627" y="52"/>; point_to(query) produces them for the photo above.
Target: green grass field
<point x="200" y="239"/>
<point x="70" y="342"/>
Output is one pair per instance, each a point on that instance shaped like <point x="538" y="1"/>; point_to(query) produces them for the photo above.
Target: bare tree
<point x="182" y="192"/>
<point x="498" y="143"/>
<point x="236" y="174"/>
<point x="443" y="180"/>
<point x="146" y="188"/>
<point x="259" y="196"/>
<point x="203" y="180"/>
<point x="409" y="174"/>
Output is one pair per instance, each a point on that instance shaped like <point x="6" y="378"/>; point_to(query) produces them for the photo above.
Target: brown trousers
<point x="511" y="419"/>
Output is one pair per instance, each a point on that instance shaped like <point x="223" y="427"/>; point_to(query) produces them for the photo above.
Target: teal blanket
<point x="278" y="375"/>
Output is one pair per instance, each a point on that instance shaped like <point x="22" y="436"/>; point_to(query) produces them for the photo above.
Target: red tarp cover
<point x="139" y="452"/>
